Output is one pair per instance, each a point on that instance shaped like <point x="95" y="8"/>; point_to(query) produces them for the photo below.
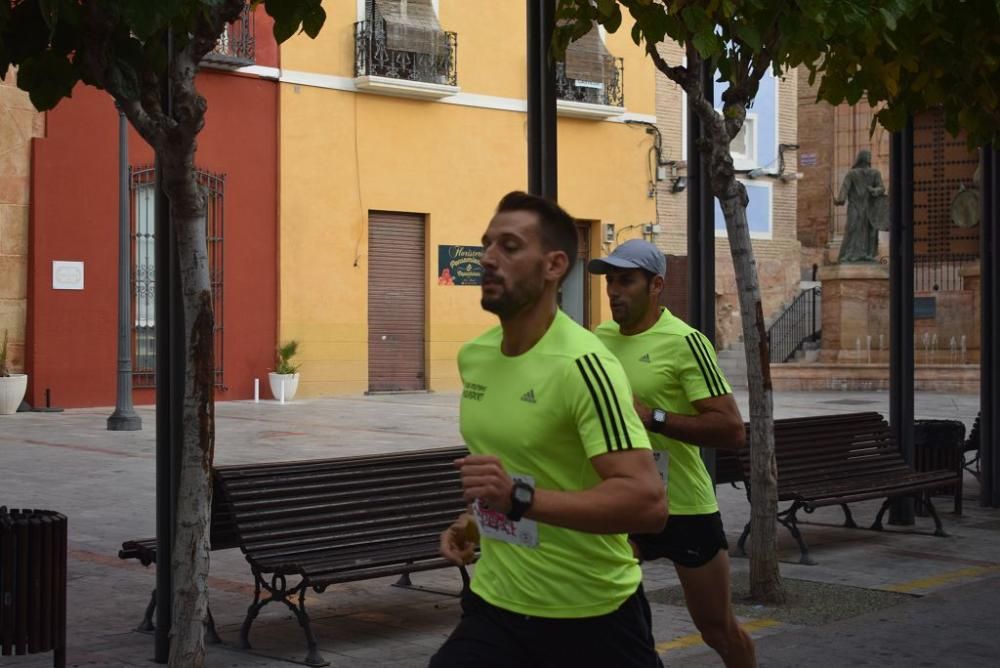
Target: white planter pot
<point x="12" y="390"/>
<point x="290" y="382"/>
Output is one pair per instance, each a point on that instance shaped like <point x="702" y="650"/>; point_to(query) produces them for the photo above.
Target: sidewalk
<point x="941" y="612"/>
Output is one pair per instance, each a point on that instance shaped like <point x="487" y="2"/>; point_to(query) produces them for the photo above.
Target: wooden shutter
<point x="396" y="302"/>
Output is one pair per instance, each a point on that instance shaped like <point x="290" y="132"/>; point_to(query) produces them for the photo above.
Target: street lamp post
<point x="124" y="418"/>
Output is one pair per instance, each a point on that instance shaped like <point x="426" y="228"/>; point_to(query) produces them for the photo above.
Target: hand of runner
<point x="458" y="542"/>
<point x="645" y="412"/>
<point x="484" y="478"/>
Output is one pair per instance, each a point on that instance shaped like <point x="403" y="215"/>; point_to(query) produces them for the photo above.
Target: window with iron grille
<point x="143" y="190"/>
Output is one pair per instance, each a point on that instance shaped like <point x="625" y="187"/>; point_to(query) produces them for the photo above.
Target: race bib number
<point x="494" y="524"/>
<point x="662" y="459"/>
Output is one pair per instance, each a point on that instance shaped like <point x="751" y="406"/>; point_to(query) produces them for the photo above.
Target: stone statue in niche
<point x="867" y="210"/>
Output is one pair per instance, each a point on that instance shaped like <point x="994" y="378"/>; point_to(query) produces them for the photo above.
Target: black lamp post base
<point x="124" y="421"/>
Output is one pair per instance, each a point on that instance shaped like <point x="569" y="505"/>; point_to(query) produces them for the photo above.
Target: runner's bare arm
<point x="718" y="424"/>
<point x="629" y="498"/>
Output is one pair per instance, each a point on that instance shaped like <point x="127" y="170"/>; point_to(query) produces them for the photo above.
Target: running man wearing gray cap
<point x="684" y="400"/>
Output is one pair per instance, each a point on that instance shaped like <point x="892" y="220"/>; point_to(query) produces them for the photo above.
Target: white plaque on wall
<point x="67" y="275"/>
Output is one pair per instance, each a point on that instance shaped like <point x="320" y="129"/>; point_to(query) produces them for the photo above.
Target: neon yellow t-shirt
<point x="545" y="414"/>
<point x="670" y="366"/>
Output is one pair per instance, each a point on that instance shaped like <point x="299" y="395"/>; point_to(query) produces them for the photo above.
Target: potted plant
<point x="284" y="380"/>
<point x="12" y="385"/>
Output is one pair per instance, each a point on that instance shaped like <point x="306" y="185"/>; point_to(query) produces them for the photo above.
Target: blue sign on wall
<point x="460" y="265"/>
<point x="924" y="308"/>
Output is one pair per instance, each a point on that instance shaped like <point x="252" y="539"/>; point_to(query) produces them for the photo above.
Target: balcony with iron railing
<point x="429" y="73"/>
<point x="235" y="46"/>
<point x="592" y="99"/>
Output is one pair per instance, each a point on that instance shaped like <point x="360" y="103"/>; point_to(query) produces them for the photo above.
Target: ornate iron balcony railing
<point x="607" y="92"/>
<point x="235" y="47"/>
<point x="373" y="57"/>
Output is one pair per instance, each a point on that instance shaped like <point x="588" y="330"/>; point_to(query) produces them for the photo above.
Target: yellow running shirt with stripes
<point x="545" y="414"/>
<point x="670" y="366"/>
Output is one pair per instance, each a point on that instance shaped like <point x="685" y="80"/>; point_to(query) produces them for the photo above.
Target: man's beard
<point x="513" y="300"/>
<point x="630" y="315"/>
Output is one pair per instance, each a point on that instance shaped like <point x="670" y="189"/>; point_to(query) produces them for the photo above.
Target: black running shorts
<point x="688" y="540"/>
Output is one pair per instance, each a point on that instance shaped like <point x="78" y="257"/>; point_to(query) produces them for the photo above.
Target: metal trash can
<point x="33" y="583"/>
<point x="938" y="445"/>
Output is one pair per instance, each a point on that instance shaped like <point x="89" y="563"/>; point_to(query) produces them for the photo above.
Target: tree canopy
<point x="902" y="56"/>
<point x="119" y="45"/>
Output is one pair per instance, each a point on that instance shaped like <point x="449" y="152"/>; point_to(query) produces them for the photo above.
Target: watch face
<point x="659" y="415"/>
<point x="522" y="494"/>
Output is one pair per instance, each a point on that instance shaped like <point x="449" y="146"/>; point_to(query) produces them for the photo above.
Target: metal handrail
<point x="800" y="322"/>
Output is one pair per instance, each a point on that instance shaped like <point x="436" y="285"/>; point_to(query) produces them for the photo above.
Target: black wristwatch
<point x="657" y="420"/>
<point x="521" y="498"/>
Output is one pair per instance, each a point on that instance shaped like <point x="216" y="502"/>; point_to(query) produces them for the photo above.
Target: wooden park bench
<point x="939" y="445"/>
<point x="838" y="460"/>
<point x="222" y="536"/>
<point x="728" y="469"/>
<point x="312" y="524"/>
<point x="972" y="445"/>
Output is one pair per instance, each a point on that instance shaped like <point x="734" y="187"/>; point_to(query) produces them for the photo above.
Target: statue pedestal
<point x="855" y="340"/>
<point x="855" y="306"/>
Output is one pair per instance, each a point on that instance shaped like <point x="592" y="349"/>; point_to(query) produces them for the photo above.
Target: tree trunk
<point x="172" y="129"/>
<point x="190" y="555"/>
<point x="765" y="578"/>
<point x="194" y="495"/>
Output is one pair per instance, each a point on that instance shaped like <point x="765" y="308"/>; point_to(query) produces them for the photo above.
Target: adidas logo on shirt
<point x="645" y="358"/>
<point x="528" y="396"/>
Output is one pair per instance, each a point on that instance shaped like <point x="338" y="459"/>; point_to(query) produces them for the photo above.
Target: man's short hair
<point x="557" y="228"/>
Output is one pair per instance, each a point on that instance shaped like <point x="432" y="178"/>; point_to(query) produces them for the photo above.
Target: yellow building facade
<point x="364" y="150"/>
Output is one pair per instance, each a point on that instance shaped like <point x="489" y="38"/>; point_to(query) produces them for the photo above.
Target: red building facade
<point x="72" y="334"/>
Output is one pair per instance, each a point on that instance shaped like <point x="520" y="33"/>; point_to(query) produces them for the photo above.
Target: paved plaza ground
<point x="921" y="600"/>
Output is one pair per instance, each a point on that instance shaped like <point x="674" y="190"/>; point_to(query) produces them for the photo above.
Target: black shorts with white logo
<point x="688" y="540"/>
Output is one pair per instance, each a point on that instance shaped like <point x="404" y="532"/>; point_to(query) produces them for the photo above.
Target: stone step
<point x="734" y="365"/>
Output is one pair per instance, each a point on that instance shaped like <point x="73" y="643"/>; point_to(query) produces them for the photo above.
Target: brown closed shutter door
<point x="396" y="271"/>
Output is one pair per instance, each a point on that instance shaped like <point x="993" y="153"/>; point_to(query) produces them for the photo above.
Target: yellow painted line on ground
<point x="695" y="638"/>
<point x="942" y="579"/>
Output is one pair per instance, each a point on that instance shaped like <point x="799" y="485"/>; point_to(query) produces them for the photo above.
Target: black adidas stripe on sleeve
<point x="605" y="402"/>
<point x="709" y="371"/>
<point x="614" y="397"/>
<point x="597" y="404"/>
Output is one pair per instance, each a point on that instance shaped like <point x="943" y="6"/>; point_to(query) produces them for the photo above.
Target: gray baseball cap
<point x="633" y="254"/>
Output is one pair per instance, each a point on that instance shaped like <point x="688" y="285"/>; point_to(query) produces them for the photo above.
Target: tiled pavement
<point x="104" y="482"/>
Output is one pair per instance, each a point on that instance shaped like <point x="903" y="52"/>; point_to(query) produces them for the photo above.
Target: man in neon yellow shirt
<point x="685" y="402"/>
<point x="560" y="470"/>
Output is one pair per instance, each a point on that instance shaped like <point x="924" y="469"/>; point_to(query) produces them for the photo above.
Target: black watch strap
<point x="657" y="419"/>
<point x="522" y="495"/>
